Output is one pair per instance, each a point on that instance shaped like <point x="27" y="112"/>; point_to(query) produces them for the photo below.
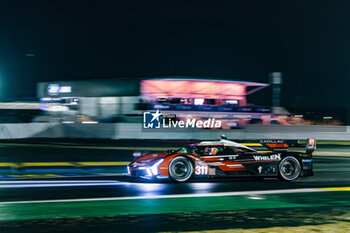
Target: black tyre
<point x="289" y="168"/>
<point x="180" y="169"/>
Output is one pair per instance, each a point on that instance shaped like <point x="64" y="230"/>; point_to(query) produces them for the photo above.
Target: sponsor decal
<point x="232" y="157"/>
<point x="267" y="157"/>
<point x="153" y="120"/>
<point x="212" y="171"/>
<point x="272" y="141"/>
<point x="138" y="164"/>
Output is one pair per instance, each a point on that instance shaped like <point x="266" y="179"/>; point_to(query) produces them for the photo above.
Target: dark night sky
<point x="244" y="40"/>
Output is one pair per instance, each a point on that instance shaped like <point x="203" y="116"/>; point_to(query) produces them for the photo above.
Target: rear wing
<point x="280" y="145"/>
<point x="275" y="144"/>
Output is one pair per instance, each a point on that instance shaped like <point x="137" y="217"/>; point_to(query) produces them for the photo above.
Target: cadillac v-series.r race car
<point x="224" y="158"/>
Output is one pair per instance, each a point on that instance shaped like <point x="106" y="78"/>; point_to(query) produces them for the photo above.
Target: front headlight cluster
<point x="151" y="166"/>
<point x="154" y="169"/>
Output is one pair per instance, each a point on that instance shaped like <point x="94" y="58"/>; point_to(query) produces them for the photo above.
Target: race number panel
<point x="201" y="170"/>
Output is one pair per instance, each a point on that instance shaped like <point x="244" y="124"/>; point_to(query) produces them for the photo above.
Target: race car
<point x="225" y="158"/>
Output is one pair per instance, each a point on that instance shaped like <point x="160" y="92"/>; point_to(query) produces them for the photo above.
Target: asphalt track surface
<point x="332" y="169"/>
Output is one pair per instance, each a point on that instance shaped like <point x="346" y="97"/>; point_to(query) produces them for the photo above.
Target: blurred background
<point x="76" y="78"/>
<point x="249" y="62"/>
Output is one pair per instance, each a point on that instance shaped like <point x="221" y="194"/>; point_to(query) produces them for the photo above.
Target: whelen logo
<point x="268" y="157"/>
<point x="153" y="120"/>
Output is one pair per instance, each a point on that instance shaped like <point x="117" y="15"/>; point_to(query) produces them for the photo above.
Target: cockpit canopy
<point x="212" y="148"/>
<point x="221" y="147"/>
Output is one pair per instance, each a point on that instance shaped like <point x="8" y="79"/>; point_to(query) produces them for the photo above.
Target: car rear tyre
<point x="289" y="168"/>
<point x="180" y="169"/>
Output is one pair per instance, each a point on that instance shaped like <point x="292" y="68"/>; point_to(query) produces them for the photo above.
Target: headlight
<point x="149" y="173"/>
<point x="154" y="168"/>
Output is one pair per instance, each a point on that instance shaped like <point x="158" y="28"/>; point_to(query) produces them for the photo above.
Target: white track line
<point x="55" y="181"/>
<point x="219" y="194"/>
<point x="56" y="185"/>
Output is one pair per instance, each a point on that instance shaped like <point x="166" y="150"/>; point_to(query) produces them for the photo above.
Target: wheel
<point x="289" y="168"/>
<point x="180" y="169"/>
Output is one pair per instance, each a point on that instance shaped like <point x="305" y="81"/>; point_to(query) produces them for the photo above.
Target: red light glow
<point x="193" y="89"/>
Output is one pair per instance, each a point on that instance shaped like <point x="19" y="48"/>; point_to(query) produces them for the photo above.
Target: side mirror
<point x="137" y="154"/>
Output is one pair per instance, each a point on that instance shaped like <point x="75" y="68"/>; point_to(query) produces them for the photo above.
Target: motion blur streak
<point x="220" y="194"/>
<point x="55" y="181"/>
<point x="56" y="185"/>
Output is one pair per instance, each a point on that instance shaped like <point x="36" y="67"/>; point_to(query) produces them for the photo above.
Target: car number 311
<point x="201" y="170"/>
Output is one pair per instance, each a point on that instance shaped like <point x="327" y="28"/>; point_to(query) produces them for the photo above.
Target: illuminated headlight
<point x="154" y="167"/>
<point x="128" y="169"/>
<point x="149" y="173"/>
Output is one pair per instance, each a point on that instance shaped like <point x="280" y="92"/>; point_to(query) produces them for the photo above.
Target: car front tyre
<point x="289" y="168"/>
<point x="180" y="169"/>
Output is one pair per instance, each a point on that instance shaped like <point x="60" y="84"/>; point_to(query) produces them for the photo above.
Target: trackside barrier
<point x="135" y="131"/>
